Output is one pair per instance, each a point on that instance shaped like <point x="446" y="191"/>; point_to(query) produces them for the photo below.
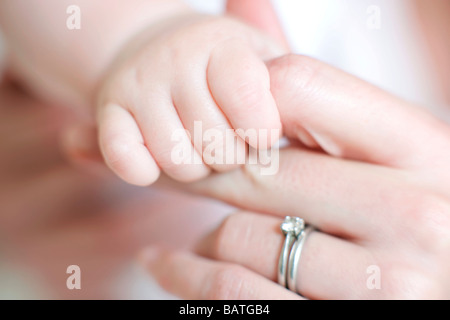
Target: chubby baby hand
<point x="178" y="96"/>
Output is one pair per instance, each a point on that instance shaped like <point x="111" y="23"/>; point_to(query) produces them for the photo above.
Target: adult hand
<point x="372" y="174"/>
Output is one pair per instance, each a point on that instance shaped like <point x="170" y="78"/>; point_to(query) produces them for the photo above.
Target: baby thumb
<point x="79" y="144"/>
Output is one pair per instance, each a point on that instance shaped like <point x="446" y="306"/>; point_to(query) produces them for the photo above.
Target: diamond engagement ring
<point x="292" y="228"/>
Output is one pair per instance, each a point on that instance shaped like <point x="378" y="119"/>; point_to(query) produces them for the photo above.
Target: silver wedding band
<point x="296" y="233"/>
<point x="294" y="259"/>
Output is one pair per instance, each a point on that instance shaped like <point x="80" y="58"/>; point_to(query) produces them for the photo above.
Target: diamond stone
<point x="293" y="225"/>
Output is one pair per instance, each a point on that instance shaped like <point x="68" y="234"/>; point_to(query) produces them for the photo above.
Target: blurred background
<point x="54" y="214"/>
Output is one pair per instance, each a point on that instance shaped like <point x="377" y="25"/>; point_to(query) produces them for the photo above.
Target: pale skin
<point x="52" y="214"/>
<point x="377" y="191"/>
<point x="394" y="217"/>
<point x="390" y="209"/>
<point x="157" y="69"/>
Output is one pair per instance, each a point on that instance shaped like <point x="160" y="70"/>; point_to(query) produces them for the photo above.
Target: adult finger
<point x="329" y="268"/>
<point x="352" y="119"/>
<point x="343" y="198"/>
<point x="195" y="278"/>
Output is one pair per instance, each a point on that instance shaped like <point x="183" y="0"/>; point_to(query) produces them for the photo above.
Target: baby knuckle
<point x="173" y="50"/>
<point x="117" y="151"/>
<point x="198" y="35"/>
<point x="186" y="173"/>
<point x="182" y="172"/>
<point x="248" y="95"/>
<point x="139" y="75"/>
<point x="216" y="28"/>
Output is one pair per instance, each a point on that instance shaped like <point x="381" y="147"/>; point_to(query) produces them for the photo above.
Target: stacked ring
<point x="296" y="233"/>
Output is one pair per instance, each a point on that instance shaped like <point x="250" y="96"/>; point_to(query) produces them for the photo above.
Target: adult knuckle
<point x="228" y="283"/>
<point x="230" y="234"/>
<point x="431" y="211"/>
<point x="430" y="216"/>
<point x="252" y="175"/>
<point x="288" y="172"/>
<point x="220" y="247"/>
<point x="296" y="70"/>
<point x="298" y="79"/>
<point x="407" y="283"/>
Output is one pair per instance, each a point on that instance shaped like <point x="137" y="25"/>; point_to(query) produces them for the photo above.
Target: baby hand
<point x="203" y="70"/>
